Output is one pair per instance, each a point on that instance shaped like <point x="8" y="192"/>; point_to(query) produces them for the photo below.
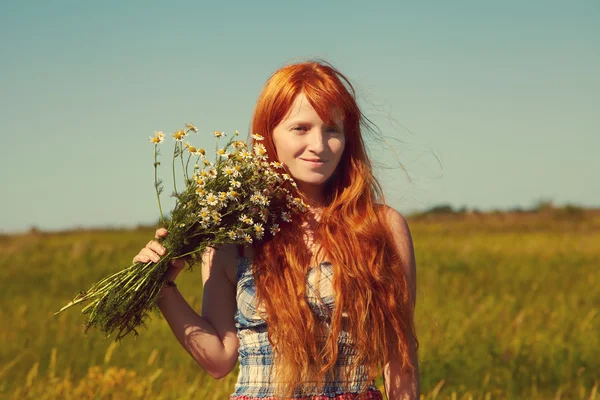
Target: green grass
<point x="505" y="310"/>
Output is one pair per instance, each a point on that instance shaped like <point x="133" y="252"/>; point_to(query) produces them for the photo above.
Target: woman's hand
<point x="154" y="250"/>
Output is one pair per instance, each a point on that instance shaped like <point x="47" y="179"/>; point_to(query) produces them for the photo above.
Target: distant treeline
<point x="541" y="206"/>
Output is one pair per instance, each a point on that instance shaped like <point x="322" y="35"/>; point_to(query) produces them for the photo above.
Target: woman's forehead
<point x="302" y="107"/>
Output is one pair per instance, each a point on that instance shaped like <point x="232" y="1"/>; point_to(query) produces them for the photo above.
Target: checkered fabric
<point x="369" y="395"/>
<point x="256" y="353"/>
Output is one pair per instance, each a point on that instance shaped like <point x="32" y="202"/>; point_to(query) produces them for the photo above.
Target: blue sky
<point x="486" y="105"/>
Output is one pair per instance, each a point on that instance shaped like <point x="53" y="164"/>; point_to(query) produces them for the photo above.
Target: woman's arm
<point x="400" y="385"/>
<point x="211" y="338"/>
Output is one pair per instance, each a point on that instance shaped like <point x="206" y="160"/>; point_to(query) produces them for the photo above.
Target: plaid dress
<point x="256" y="353"/>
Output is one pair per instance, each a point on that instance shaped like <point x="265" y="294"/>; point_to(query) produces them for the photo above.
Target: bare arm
<point x="398" y="384"/>
<point x="211" y="338"/>
<point x="401" y="385"/>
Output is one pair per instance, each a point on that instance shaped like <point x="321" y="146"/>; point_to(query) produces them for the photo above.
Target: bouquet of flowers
<point x="237" y="198"/>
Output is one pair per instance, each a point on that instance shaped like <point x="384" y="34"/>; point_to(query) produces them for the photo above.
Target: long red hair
<point x="369" y="282"/>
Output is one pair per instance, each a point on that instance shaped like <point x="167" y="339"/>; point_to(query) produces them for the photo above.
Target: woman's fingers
<point x="160" y="232"/>
<point x="145" y="255"/>
<point x="154" y="250"/>
<point x="156" y="247"/>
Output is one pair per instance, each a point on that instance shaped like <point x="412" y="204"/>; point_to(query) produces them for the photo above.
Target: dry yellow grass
<point x="508" y="308"/>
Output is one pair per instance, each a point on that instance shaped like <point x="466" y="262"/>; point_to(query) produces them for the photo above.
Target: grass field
<point x="508" y="308"/>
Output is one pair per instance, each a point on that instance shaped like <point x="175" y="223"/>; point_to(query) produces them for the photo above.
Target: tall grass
<point x="505" y="310"/>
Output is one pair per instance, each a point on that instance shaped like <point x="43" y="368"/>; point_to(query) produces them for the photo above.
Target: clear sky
<point x="487" y="104"/>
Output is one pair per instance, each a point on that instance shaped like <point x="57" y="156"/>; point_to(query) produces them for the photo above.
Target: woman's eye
<point x="299" y="128"/>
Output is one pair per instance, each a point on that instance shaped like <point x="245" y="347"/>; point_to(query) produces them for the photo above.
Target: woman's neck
<point x="314" y="195"/>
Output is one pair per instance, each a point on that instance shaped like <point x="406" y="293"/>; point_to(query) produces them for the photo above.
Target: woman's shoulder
<point x="404" y="244"/>
<point x="389" y="214"/>
<point x="399" y="229"/>
<point x="226" y="257"/>
<point x="232" y="251"/>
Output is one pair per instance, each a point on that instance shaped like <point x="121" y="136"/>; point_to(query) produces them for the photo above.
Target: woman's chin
<point x="310" y="184"/>
<point x="312" y="181"/>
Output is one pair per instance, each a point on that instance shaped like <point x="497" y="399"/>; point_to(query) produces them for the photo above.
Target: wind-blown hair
<point x="368" y="278"/>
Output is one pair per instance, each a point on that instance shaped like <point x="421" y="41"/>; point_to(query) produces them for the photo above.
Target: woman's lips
<point x="315" y="162"/>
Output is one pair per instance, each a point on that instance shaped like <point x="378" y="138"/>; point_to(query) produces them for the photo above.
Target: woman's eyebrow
<point x="299" y="122"/>
<point x="325" y="124"/>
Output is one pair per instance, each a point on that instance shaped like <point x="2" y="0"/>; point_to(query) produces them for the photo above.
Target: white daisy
<point x="264" y="200"/>
<point x="212" y="199"/>
<point x="191" y="127"/>
<point x="222" y="153"/>
<point x="275" y="229"/>
<point x="239" y="144"/>
<point x="204" y="213"/>
<point x="259" y="231"/>
<point x="233" y="195"/>
<point x="264" y="214"/>
<point x="200" y="182"/>
<point x="229" y="171"/>
<point x="255" y="198"/>
<point x="260" y="150"/>
<point x="179" y="135"/>
<point x="159" y="136"/>
<point x="246" y="219"/>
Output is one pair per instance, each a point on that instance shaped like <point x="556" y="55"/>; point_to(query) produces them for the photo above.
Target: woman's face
<point x="310" y="148"/>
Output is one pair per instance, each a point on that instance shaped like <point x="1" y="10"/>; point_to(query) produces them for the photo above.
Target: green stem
<point x="162" y="218"/>
<point x="191" y="252"/>
<point x="174" y="157"/>
<point x="186" y="167"/>
<point x="182" y="166"/>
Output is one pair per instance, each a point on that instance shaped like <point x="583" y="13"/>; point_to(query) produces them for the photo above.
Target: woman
<point x="319" y="308"/>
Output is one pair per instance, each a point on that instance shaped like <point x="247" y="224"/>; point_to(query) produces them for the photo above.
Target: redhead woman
<point x="321" y="308"/>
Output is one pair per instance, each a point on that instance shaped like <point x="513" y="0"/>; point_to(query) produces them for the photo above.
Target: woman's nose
<point x="317" y="140"/>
